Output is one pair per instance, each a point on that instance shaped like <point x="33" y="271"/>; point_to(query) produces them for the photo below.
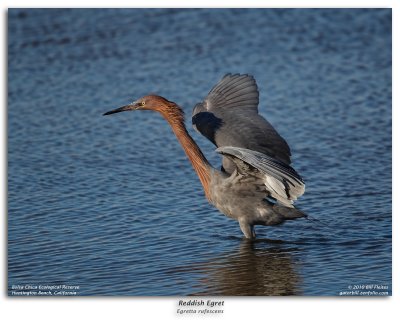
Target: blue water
<point x="111" y="204"/>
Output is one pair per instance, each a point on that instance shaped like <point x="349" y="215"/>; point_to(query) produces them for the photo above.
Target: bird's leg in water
<point x="247" y="229"/>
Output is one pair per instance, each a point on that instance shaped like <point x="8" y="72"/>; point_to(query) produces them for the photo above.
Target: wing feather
<point x="281" y="180"/>
<point x="234" y="91"/>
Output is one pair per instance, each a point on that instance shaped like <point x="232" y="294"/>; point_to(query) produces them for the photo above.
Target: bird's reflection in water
<point x="255" y="269"/>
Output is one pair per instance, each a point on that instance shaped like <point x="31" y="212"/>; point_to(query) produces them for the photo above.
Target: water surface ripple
<point x="111" y="203"/>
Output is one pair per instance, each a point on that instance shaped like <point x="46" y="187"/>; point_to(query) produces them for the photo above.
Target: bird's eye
<point x="142" y="103"/>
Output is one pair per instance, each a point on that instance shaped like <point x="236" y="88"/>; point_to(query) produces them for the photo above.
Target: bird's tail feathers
<point x="289" y="213"/>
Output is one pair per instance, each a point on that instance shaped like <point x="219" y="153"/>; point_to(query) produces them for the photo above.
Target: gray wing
<point x="281" y="181"/>
<point x="234" y="91"/>
<point x="228" y="116"/>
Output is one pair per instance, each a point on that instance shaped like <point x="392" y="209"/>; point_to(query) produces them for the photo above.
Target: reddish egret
<point x="256" y="184"/>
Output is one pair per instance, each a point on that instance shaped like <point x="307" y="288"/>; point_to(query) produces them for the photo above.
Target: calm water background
<point x="111" y="203"/>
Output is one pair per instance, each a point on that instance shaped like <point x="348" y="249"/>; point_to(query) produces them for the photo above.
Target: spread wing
<point x="228" y="116"/>
<point x="234" y="91"/>
<point x="281" y="181"/>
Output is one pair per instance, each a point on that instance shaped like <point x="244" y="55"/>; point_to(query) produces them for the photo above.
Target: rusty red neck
<point x="175" y="117"/>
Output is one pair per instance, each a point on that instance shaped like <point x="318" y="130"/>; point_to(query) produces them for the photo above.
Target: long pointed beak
<point x="124" y="108"/>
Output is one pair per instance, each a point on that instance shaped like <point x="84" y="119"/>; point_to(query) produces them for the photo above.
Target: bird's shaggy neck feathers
<point x="175" y="117"/>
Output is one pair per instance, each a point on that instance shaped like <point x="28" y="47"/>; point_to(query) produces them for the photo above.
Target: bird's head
<point x="150" y="102"/>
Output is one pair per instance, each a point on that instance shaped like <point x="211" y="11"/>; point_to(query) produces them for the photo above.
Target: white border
<point x="165" y="308"/>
